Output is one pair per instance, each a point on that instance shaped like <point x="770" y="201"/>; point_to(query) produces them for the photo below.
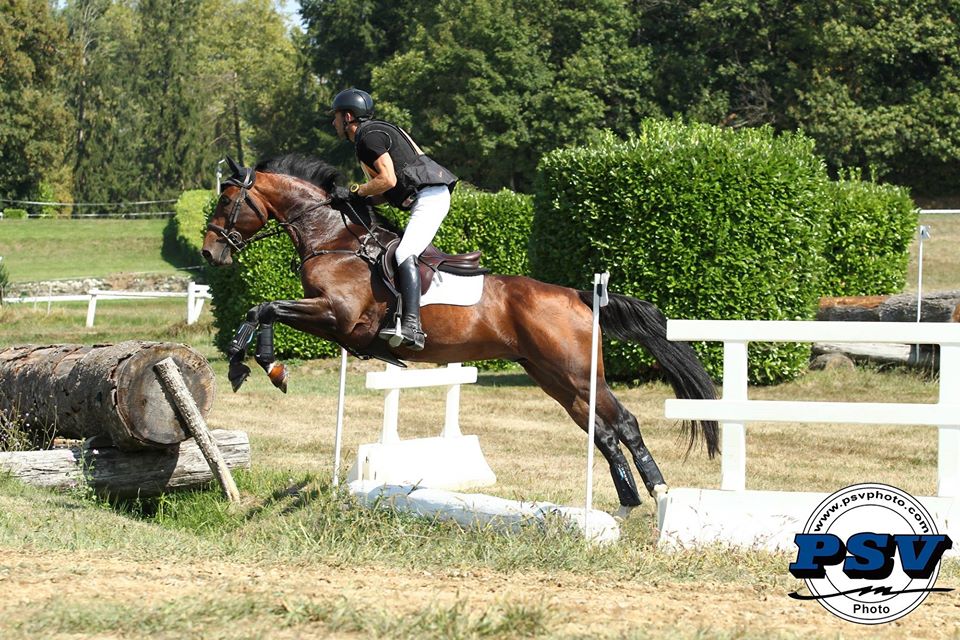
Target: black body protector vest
<point x="414" y="169"/>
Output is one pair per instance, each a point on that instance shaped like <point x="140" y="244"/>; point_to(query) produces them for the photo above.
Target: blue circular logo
<point x="870" y="553"/>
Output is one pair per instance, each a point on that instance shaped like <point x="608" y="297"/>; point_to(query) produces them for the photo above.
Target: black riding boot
<point x="408" y="282"/>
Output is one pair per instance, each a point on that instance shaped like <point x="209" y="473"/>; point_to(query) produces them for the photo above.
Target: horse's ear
<point x="233" y="166"/>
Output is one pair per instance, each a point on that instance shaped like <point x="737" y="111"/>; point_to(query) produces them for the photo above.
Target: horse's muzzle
<point x="223" y="258"/>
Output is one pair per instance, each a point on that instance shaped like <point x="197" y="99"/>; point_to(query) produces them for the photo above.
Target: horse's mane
<point x="319" y="173"/>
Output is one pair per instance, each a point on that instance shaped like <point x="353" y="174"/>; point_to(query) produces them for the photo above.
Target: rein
<point x="244" y="178"/>
<point x="361" y="251"/>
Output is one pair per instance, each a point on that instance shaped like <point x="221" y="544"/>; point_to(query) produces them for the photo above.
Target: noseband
<point x="244" y="179"/>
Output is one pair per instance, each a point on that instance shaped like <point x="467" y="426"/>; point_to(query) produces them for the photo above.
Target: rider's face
<point x="340" y="125"/>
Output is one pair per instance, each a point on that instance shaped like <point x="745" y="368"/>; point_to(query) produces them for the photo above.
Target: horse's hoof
<point x="237" y="375"/>
<point x="659" y="492"/>
<point x="623" y="513"/>
<point x="278" y="376"/>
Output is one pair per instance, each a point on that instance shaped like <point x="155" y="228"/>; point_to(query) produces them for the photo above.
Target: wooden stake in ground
<point x="173" y="382"/>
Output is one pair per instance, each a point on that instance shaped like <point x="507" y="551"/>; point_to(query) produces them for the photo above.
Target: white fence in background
<point x="769" y="518"/>
<point x="195" y="295"/>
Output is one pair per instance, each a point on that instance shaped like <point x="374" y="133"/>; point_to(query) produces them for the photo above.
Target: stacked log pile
<point x="74" y="391"/>
<point x="943" y="306"/>
<point x="125" y="404"/>
<point x="125" y="474"/>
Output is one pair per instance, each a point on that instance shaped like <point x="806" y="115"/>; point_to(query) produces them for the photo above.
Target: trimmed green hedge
<point x="186" y="229"/>
<point x="14" y="214"/>
<point x="496" y="223"/>
<point x="704" y="222"/>
<point x="867" y="238"/>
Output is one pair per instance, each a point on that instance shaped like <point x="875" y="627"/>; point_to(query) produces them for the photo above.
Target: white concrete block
<point x="440" y="463"/>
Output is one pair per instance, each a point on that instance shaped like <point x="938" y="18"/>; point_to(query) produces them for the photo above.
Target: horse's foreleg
<point x="239" y="372"/>
<point x="276" y="371"/>
<point x="311" y="315"/>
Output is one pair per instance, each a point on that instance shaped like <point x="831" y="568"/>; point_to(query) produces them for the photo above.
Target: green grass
<point x="213" y="615"/>
<point x="159" y="319"/>
<point x="293" y="519"/>
<point x="45" y="249"/>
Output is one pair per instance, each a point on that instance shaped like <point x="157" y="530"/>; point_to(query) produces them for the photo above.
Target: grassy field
<point x="941" y="260"/>
<point x="297" y="560"/>
<point x="46" y="249"/>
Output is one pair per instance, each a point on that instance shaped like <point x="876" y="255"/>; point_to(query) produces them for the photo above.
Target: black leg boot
<point x="408" y="281"/>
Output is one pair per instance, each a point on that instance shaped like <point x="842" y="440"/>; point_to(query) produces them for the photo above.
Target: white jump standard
<point x="450" y="461"/>
<point x="418" y="475"/>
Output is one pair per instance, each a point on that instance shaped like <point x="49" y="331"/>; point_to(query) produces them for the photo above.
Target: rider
<point x="400" y="173"/>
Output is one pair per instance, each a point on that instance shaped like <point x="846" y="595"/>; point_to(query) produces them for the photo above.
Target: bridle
<point x="243" y="178"/>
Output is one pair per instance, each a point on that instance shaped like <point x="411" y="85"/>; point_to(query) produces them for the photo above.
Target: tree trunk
<point x="943" y="306"/>
<point x="75" y="391"/>
<point x="125" y="474"/>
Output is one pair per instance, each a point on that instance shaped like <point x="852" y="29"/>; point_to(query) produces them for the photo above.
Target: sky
<point x="289" y="8"/>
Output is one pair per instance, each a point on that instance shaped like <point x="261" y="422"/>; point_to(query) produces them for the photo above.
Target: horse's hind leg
<point x="629" y="433"/>
<point x="575" y="399"/>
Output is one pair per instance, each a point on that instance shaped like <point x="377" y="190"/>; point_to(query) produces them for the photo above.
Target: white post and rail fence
<point x="769" y="519"/>
<point x="195" y="294"/>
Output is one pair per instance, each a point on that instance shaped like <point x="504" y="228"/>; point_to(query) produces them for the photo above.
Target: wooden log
<point x="106" y="390"/>
<point x="942" y="306"/>
<point x="172" y="381"/>
<point x="126" y="474"/>
<point x="899" y="354"/>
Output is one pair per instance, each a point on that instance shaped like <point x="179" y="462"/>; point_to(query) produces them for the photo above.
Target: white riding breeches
<point x="426" y="214"/>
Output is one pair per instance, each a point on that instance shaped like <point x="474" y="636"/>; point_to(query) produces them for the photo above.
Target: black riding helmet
<point x="357" y="102"/>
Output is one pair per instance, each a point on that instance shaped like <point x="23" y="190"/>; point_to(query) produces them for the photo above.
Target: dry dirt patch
<point x="578" y="606"/>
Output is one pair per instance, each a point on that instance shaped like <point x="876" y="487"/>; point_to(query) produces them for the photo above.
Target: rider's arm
<point x="382" y="177"/>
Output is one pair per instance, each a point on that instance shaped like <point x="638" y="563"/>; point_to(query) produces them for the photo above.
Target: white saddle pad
<point x="448" y="288"/>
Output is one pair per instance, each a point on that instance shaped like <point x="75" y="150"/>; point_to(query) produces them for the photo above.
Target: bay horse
<point x="544" y="328"/>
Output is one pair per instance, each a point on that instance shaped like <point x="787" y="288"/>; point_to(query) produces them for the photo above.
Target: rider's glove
<point x="339" y="194"/>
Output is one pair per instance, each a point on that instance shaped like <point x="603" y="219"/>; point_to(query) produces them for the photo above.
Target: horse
<point x="545" y="328"/>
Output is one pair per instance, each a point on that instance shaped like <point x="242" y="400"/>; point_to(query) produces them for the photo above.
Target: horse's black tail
<point x="630" y="319"/>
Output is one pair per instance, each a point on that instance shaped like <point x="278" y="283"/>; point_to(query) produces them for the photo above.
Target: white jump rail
<point x="422" y="475"/>
<point x="734" y="410"/>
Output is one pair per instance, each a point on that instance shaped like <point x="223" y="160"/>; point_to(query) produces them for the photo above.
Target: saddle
<point x="429" y="262"/>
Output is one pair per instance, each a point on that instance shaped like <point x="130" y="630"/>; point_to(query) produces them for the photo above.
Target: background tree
<point x="883" y="89"/>
<point x="601" y="74"/>
<point x="873" y="82"/>
<point x="34" y="124"/>
<point x="468" y="86"/>
<point x="103" y="95"/>
<point x="265" y="99"/>
<point x="174" y="138"/>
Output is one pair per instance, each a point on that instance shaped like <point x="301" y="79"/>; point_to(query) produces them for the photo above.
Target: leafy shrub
<point x="14" y="214"/>
<point x="496" y="223"/>
<point x="867" y="237"/>
<point x="183" y="235"/>
<point x="4" y="278"/>
<point x="704" y="222"/>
